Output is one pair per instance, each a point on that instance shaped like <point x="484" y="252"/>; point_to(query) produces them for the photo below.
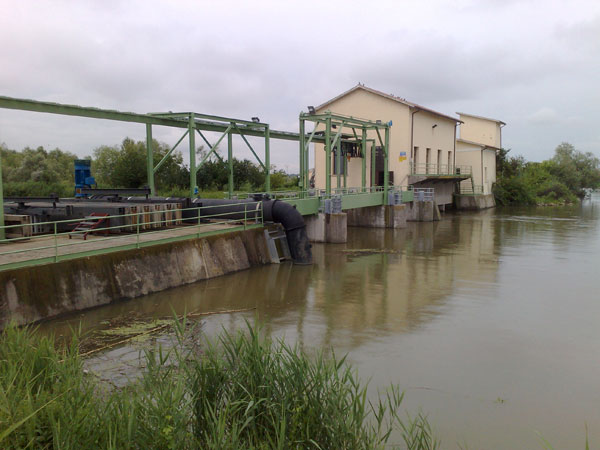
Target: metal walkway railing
<point x="136" y="230"/>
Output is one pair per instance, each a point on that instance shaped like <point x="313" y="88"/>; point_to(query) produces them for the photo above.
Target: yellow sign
<point x="402" y="158"/>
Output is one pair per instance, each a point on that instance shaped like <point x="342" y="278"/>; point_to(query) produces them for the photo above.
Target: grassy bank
<point x="239" y="391"/>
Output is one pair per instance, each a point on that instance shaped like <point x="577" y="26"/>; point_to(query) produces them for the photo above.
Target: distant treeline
<point x="40" y="172"/>
<point x="558" y="180"/>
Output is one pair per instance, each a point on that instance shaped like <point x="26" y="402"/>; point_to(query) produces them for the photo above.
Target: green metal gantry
<point x="330" y="127"/>
<point x="193" y="123"/>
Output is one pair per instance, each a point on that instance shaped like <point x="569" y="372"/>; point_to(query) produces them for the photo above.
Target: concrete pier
<point x="331" y="228"/>
<point x="474" y="202"/>
<point x="389" y="216"/>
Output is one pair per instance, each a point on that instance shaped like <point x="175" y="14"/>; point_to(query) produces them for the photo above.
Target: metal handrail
<point x="439" y="169"/>
<point x="471" y="190"/>
<point x="252" y="211"/>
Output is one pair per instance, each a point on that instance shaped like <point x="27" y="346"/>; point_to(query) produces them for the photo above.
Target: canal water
<point x="489" y="321"/>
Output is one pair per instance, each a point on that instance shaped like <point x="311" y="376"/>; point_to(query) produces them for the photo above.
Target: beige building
<point x="421" y="139"/>
<point x="478" y="141"/>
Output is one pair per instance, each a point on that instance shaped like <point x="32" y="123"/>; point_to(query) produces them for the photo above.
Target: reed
<point x="244" y="390"/>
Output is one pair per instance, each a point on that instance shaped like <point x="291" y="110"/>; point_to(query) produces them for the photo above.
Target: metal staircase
<point x="86" y="226"/>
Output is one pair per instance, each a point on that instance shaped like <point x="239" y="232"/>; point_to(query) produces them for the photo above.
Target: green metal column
<point x="306" y="165"/>
<point x="192" y="137"/>
<point x="373" y="179"/>
<point x="150" y="159"/>
<point x="267" y="159"/>
<point x="328" y="155"/>
<point x="338" y="163"/>
<point x="386" y="161"/>
<point x="2" y="235"/>
<point x="302" y="149"/>
<point x="230" y="162"/>
<point x="363" y="177"/>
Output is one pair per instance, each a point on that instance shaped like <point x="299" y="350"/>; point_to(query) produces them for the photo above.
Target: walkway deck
<point x="47" y="249"/>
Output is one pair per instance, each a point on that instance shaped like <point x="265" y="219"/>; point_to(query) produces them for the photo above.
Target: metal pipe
<point x="273" y="211"/>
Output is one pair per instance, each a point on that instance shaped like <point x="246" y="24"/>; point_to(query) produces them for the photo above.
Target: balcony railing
<point x="439" y="169"/>
<point x="471" y="190"/>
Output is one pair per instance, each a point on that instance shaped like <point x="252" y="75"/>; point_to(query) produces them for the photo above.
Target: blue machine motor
<point x="83" y="176"/>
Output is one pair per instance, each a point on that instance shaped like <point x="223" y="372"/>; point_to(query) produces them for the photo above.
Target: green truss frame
<point x="191" y="122"/>
<point x="333" y="133"/>
<point x="195" y="123"/>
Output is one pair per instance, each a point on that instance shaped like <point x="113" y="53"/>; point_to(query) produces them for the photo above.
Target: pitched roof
<point x="388" y="96"/>
<point x="480" y="117"/>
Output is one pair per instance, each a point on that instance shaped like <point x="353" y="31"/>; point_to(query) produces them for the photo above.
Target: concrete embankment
<point x="474" y="202"/>
<point x="39" y="292"/>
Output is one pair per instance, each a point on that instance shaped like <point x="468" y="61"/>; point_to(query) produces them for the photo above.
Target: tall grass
<point x="243" y="391"/>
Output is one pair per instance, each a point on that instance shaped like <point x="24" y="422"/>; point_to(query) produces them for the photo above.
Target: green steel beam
<point x="373" y="155"/>
<point x="306" y="206"/>
<point x="81" y="111"/>
<point x="226" y="120"/>
<point x="192" y="144"/>
<point x="210" y="147"/>
<point x="214" y="147"/>
<point x="162" y="161"/>
<point x="268" y="159"/>
<point x="338" y="157"/>
<point x="230" y="162"/>
<point x="386" y="165"/>
<point x="302" y="149"/>
<point x="149" y="159"/>
<point x="348" y="120"/>
<point x="248" y="144"/>
<point x="328" y="155"/>
<point x="363" y="146"/>
<point x="169" y="119"/>
<point x="362" y="200"/>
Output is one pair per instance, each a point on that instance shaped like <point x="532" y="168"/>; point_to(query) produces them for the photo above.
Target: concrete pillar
<point x="422" y="212"/>
<point x="371" y="216"/>
<point x="396" y="216"/>
<point x="332" y="228"/>
<point x="315" y="227"/>
<point x="336" y="228"/>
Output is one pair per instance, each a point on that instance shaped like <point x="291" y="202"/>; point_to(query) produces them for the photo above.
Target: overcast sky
<point x="532" y="64"/>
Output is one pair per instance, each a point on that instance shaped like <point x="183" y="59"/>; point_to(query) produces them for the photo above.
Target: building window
<point x="439" y="161"/>
<point x="450" y="168"/>
<point x="416" y="155"/>
<point x="427" y="160"/>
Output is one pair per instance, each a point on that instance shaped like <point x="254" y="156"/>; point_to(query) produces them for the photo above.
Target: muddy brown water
<point x="489" y="321"/>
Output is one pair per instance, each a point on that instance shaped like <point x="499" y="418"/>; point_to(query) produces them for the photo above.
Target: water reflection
<point x="477" y="307"/>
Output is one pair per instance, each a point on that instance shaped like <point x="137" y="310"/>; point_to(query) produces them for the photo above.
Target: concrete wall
<point x="475" y="202"/>
<point x="436" y="134"/>
<point x="482" y="161"/>
<point x="480" y="130"/>
<point x="34" y="293"/>
<point x="388" y="216"/>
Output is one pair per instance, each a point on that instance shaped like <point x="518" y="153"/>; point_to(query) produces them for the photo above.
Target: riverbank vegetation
<point x="240" y="390"/>
<point x="559" y="180"/>
<point x="41" y="172"/>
